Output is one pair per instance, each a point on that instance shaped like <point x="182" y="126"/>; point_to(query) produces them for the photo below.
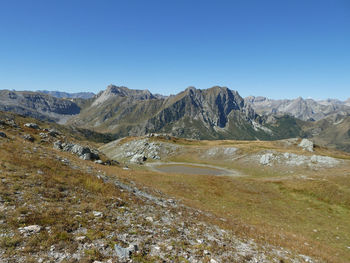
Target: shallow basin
<point x="189" y="169"/>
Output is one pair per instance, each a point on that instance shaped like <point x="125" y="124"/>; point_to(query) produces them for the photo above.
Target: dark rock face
<point x="37" y="105"/>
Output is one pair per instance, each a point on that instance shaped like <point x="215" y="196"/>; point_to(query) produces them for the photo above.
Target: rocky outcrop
<point x="307" y="145"/>
<point x="292" y="159"/>
<point x="82" y="152"/>
<point x="139" y="150"/>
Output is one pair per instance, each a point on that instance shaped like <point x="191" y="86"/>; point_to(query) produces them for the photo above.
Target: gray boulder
<point x="57" y="145"/>
<point x="28" y="137"/>
<point x="83" y="152"/>
<point x="266" y="159"/>
<point x="125" y="253"/>
<point x="29" y="230"/>
<point x="307" y="145"/>
<point x="53" y="132"/>
<point x="80" y="150"/>
<point x="32" y="125"/>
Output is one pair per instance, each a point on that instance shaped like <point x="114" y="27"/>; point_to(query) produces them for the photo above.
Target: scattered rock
<point x="293" y="159"/>
<point x="43" y="135"/>
<point x="111" y="162"/>
<point x="57" y="145"/>
<point x="28" y="137"/>
<point x="29" y="230"/>
<point x="32" y="125"/>
<point x="125" y="253"/>
<point x="80" y="238"/>
<point x="149" y="219"/>
<point x="324" y="160"/>
<point x="307" y="145"/>
<point x="53" y="132"/>
<point x="97" y="214"/>
<point x="266" y="159"/>
<point x="3" y="135"/>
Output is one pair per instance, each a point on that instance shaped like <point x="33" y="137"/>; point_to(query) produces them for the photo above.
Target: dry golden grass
<point x="45" y="192"/>
<point x="307" y="211"/>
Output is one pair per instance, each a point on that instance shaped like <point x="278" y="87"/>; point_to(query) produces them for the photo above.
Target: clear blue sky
<point x="279" y="49"/>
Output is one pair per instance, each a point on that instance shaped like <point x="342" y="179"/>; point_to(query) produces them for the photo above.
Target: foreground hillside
<point x="275" y="192"/>
<point x="59" y="205"/>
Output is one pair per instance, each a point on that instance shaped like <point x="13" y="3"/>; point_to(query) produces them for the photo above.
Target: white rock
<point x="213" y="261"/>
<point x="266" y="159"/>
<point x="32" y="125"/>
<point x="307" y="145"/>
<point x="97" y="214"/>
<point x="29" y="229"/>
<point x="80" y="238"/>
<point x="138" y="159"/>
<point x="149" y="219"/>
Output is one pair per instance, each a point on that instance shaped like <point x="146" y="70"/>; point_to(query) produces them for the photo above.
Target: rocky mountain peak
<point x="113" y="91"/>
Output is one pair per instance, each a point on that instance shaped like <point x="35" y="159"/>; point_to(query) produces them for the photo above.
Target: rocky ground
<point x="58" y="206"/>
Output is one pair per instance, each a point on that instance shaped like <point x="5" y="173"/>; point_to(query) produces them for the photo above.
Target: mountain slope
<point x="214" y="113"/>
<point x="330" y="132"/>
<point x="38" y="105"/>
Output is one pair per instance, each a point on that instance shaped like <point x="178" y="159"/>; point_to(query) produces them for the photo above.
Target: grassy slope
<point x="306" y="211"/>
<point x="43" y="191"/>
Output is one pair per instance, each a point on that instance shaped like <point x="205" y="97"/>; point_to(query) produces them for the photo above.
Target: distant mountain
<point x="214" y="113"/>
<point x="117" y="92"/>
<point x="38" y="105"/>
<point x="60" y="94"/>
<point x="304" y="109"/>
<point x="332" y="132"/>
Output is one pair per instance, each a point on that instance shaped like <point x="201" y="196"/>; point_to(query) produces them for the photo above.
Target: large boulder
<point x="307" y="145"/>
<point x="80" y="150"/>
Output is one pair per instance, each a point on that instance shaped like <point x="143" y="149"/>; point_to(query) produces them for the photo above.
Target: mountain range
<point x="214" y="113"/>
<point x="60" y="94"/>
<point x="304" y="109"/>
